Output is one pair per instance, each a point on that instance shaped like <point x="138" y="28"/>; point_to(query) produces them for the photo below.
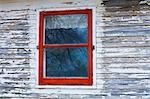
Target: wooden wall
<point x="122" y="35"/>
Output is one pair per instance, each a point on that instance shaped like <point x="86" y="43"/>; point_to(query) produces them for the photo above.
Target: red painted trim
<point x="65" y="81"/>
<point x="66" y="12"/>
<point x="90" y="47"/>
<point x="64" y="45"/>
<point x="41" y="28"/>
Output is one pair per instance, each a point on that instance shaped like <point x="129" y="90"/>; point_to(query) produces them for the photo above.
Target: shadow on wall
<point x="125" y="5"/>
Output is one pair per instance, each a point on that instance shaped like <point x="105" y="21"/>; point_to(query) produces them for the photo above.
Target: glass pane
<point x="66" y="29"/>
<point x="66" y="62"/>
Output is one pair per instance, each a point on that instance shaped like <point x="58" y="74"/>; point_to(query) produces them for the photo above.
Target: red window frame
<point x="65" y="81"/>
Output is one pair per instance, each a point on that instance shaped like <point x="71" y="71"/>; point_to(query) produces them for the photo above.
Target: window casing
<point x="49" y="45"/>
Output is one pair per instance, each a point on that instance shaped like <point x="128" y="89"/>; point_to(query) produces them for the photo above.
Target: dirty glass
<point x="66" y="62"/>
<point x="66" y="29"/>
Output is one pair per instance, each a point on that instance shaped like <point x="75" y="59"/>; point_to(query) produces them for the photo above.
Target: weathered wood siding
<point x="123" y="47"/>
<point x="122" y="50"/>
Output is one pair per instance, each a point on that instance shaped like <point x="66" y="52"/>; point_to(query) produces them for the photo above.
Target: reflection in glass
<point x="66" y="36"/>
<point x="66" y="29"/>
<point x="66" y="62"/>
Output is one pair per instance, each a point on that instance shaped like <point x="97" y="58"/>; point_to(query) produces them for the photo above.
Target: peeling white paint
<point x="122" y="39"/>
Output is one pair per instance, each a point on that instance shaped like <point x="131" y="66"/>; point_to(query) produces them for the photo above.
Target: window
<point x="65" y="47"/>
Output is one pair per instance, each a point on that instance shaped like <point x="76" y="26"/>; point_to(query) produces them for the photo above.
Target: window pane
<point x="66" y="29"/>
<point x="66" y="62"/>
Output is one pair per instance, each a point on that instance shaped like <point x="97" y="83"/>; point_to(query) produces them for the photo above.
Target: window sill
<point x="66" y="86"/>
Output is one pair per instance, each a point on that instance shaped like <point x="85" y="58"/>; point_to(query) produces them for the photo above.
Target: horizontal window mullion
<point x="64" y="45"/>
